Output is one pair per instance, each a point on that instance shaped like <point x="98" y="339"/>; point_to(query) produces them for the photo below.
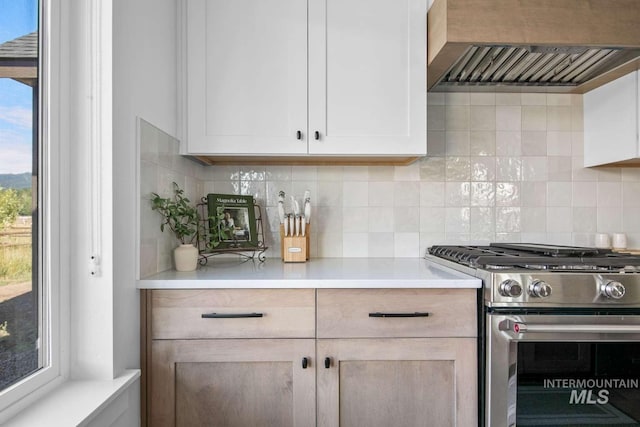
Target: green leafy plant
<point x="10" y="206"/>
<point x="179" y="215"/>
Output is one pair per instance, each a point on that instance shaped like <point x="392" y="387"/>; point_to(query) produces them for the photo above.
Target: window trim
<point x="51" y="223"/>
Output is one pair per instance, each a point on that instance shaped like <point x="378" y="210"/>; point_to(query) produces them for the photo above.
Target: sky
<point x="17" y="18"/>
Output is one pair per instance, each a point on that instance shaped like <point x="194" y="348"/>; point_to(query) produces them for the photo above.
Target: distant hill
<point x="15" y="181"/>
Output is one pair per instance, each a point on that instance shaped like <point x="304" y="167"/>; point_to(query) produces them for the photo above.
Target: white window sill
<point x="75" y="402"/>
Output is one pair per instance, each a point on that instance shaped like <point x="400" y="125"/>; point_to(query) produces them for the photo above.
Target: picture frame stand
<point x="247" y="252"/>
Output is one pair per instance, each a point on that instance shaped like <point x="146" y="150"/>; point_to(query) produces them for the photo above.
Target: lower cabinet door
<point x="397" y="382"/>
<point x="233" y="383"/>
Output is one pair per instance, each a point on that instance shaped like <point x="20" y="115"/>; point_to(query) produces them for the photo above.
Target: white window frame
<point x="53" y="214"/>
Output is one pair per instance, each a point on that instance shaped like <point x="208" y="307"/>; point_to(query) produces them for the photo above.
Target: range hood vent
<point x="535" y="66"/>
<point x="589" y="50"/>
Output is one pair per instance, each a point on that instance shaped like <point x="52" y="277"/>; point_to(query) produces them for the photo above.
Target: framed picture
<point x="232" y="221"/>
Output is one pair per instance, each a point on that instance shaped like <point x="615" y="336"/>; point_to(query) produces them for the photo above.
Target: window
<point x="25" y="310"/>
<point x="19" y="283"/>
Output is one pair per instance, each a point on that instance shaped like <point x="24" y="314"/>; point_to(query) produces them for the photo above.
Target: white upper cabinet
<point x="367" y="76"/>
<point x="304" y="78"/>
<point x="246" y="84"/>
<point x="612" y="123"/>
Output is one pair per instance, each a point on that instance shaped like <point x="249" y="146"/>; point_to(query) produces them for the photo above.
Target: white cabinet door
<point x="246" y="76"/>
<point x="367" y="77"/>
<point x="611" y="122"/>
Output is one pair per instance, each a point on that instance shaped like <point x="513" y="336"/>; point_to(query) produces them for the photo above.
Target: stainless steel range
<point x="560" y="333"/>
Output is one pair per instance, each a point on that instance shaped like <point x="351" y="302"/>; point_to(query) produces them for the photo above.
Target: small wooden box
<point x="294" y="248"/>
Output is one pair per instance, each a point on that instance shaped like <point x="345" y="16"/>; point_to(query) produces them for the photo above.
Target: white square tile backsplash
<point x="159" y="165"/>
<point x="501" y="167"/>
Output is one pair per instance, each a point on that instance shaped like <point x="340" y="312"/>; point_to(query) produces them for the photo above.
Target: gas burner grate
<point x="537" y="257"/>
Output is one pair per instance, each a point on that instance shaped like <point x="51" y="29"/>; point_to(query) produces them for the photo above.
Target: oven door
<point x="562" y="370"/>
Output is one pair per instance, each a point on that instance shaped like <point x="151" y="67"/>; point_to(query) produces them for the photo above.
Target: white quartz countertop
<point x="315" y="273"/>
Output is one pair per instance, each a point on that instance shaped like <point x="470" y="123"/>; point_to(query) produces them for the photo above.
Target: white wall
<point x="123" y="411"/>
<point x="144" y="85"/>
<point x="144" y="82"/>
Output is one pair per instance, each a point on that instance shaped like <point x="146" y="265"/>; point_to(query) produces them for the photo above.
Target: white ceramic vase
<point x="185" y="257"/>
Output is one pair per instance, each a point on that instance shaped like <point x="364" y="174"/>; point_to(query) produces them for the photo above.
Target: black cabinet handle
<point x="416" y="314"/>
<point x="299" y="134"/>
<point x="305" y="363"/>
<point x="317" y="135"/>
<point x="230" y="315"/>
<point x="327" y="362"/>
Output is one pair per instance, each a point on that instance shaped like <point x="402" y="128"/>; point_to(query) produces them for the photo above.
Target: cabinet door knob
<point x="317" y="135"/>
<point x="299" y="134"/>
<point x="327" y="362"/>
<point x="305" y="363"/>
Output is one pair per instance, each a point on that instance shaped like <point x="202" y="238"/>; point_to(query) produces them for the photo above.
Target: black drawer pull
<point x="416" y="314"/>
<point x="298" y="134"/>
<point x="327" y="362"/>
<point x="305" y="363"/>
<point x="317" y="135"/>
<point x="230" y="315"/>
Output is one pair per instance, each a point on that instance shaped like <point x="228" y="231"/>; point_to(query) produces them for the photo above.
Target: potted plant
<point x="182" y="218"/>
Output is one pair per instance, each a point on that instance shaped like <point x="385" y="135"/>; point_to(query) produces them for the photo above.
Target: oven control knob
<point x="613" y="289"/>
<point x="510" y="288"/>
<point x="539" y="289"/>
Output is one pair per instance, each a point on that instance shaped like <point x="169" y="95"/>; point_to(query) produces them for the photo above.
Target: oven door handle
<point x="521" y="328"/>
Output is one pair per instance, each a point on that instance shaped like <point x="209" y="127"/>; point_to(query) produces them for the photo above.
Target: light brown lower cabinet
<point x="340" y="375"/>
<point x="397" y="382"/>
<point x="233" y="383"/>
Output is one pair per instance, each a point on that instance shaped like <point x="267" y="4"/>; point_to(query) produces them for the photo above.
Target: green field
<point x="15" y="255"/>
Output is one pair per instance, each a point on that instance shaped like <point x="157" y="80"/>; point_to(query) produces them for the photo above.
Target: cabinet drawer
<point x="364" y="313"/>
<point x="233" y="313"/>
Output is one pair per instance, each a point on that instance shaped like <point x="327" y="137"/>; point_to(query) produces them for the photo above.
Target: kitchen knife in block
<point x="294" y="248"/>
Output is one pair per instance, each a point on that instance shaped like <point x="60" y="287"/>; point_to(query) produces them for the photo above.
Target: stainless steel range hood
<point x="564" y="46"/>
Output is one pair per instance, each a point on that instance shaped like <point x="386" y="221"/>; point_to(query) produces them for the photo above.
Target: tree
<point x="24" y="194"/>
<point x="10" y="205"/>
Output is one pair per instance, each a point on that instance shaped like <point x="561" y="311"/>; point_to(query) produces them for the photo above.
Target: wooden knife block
<point x="294" y="248"/>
